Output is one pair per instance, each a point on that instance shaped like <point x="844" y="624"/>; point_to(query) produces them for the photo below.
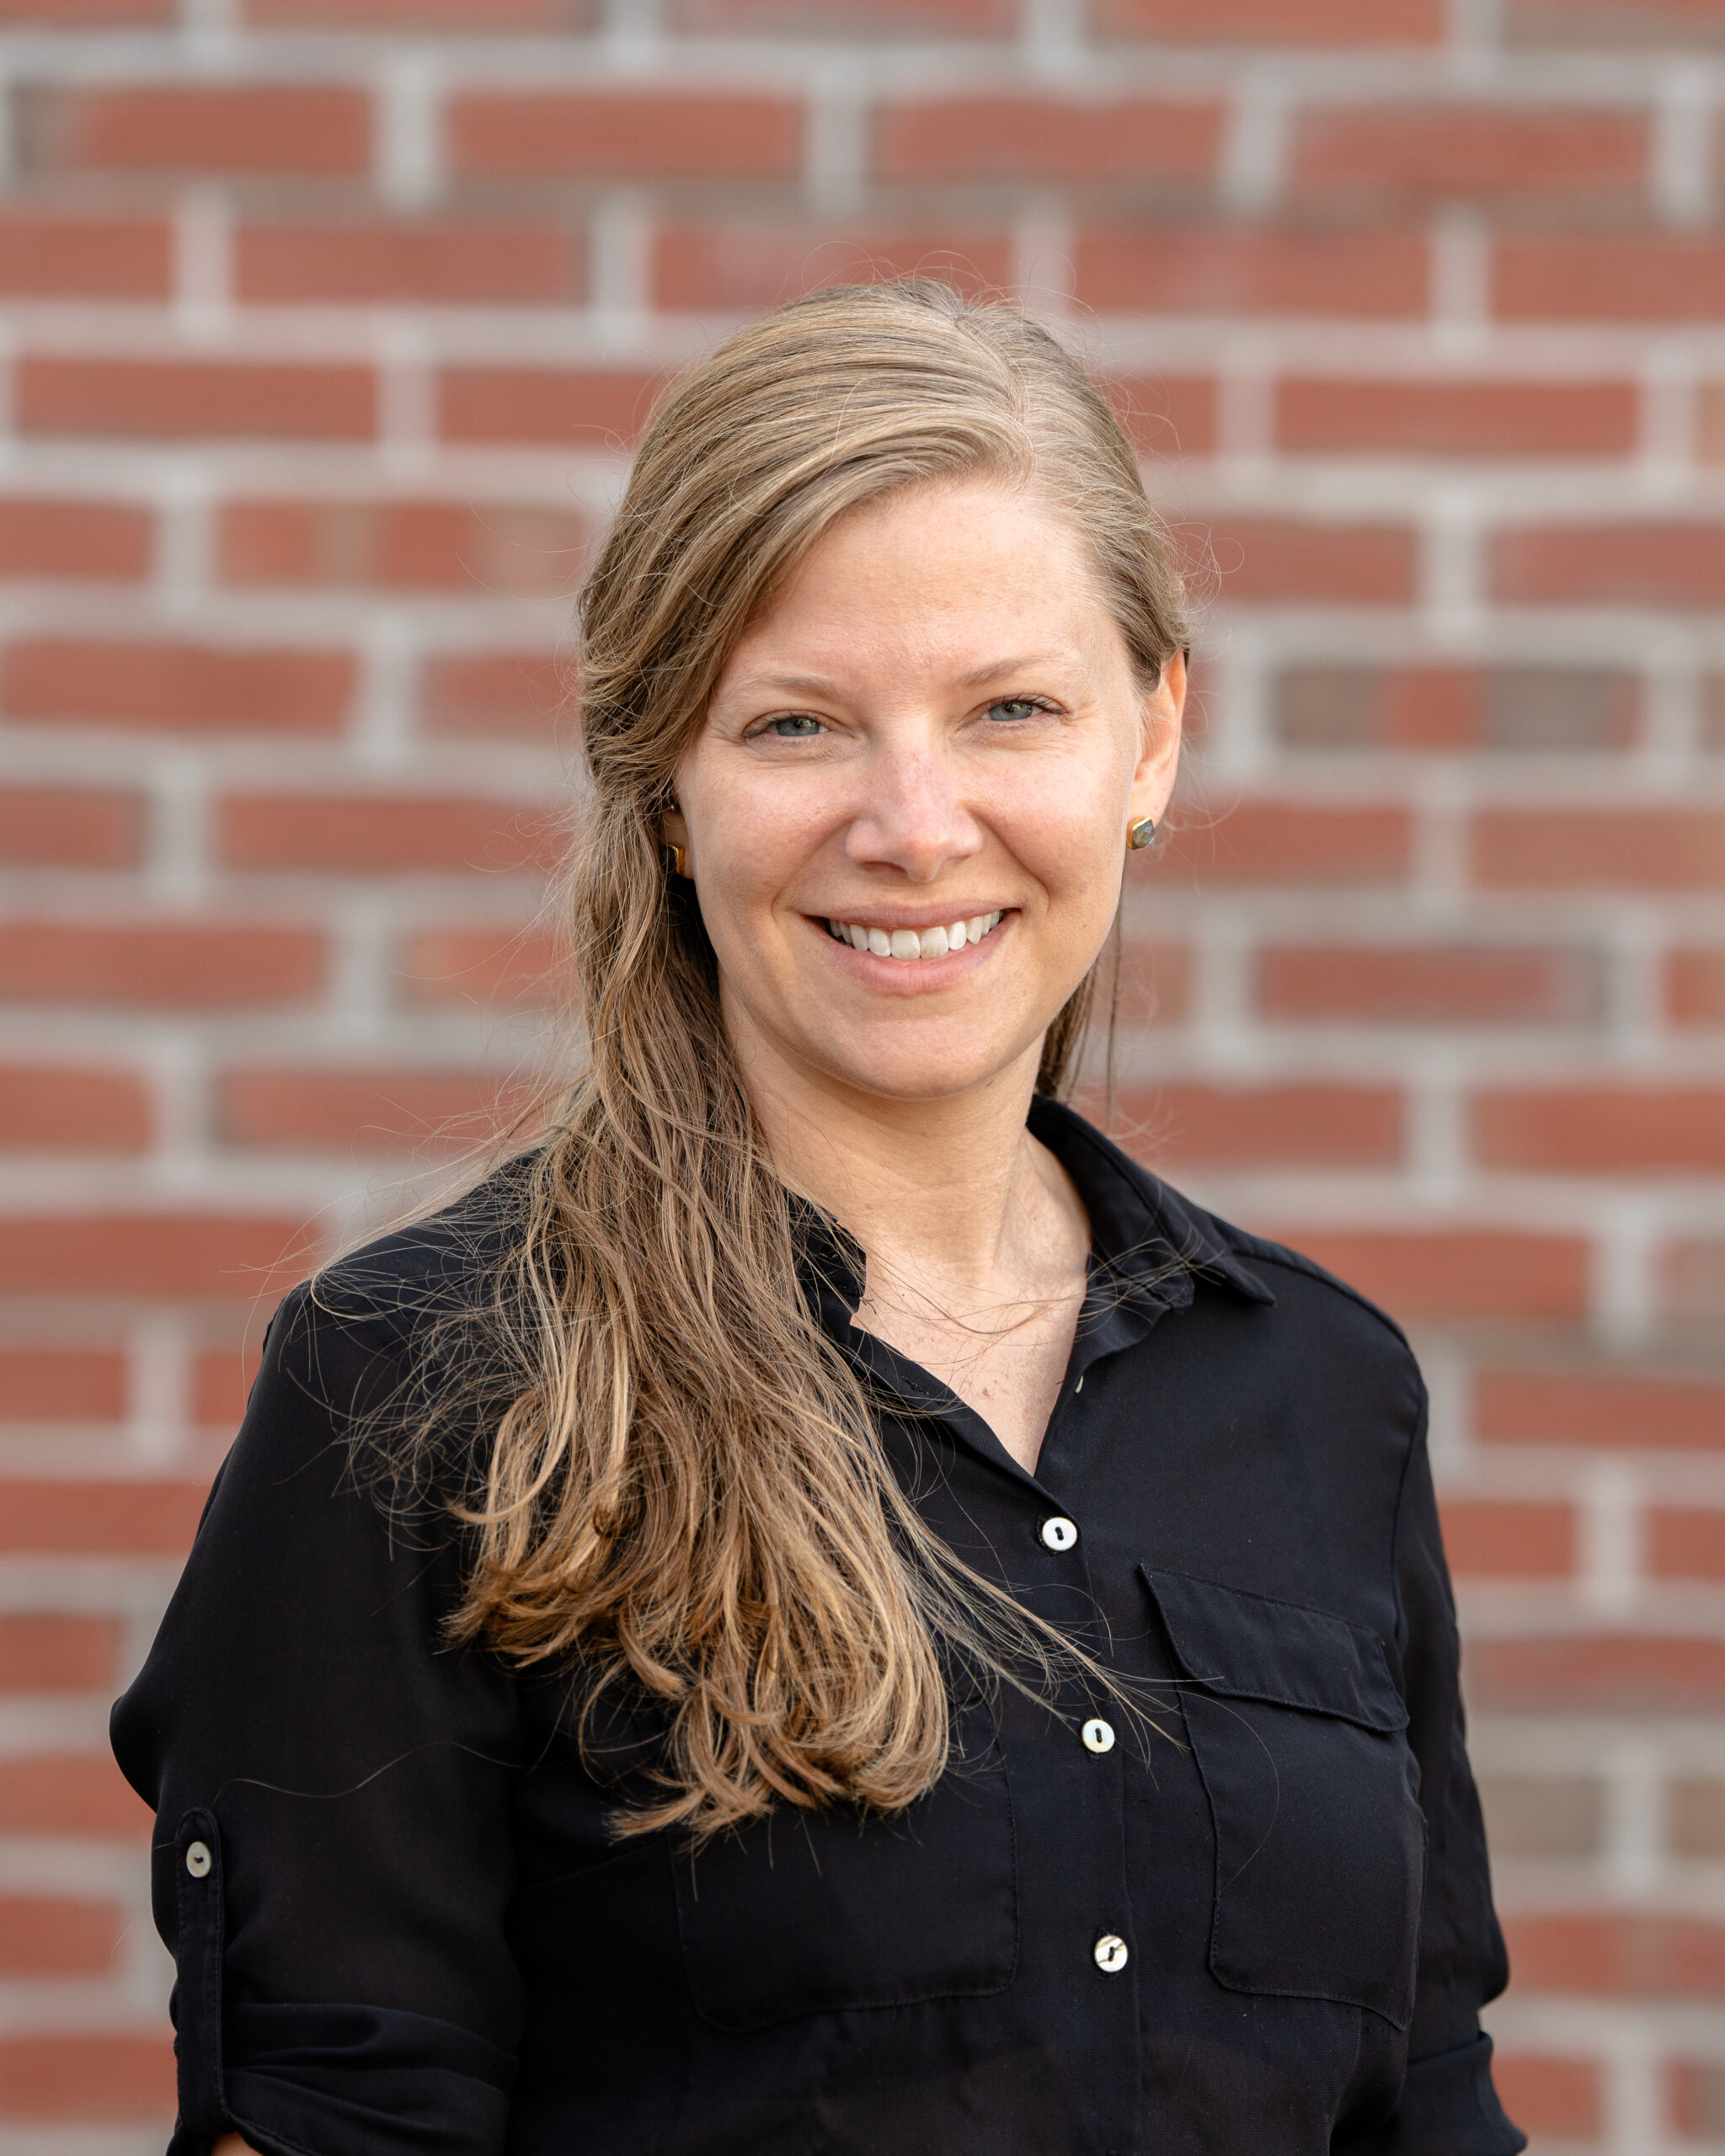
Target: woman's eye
<point x="797" y="727"/>
<point x="1011" y="708"/>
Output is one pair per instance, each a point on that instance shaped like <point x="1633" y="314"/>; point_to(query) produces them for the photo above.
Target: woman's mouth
<point x="905" y="944"/>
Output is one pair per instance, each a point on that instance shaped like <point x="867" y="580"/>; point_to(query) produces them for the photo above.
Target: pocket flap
<point x="1248" y="1647"/>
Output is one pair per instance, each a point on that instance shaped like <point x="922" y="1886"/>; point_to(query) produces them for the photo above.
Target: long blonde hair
<point x="686" y="1493"/>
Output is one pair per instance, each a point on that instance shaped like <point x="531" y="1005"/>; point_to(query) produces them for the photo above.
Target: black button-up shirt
<point x="1259" y="1924"/>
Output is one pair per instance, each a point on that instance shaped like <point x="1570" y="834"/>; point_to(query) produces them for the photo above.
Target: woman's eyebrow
<point x="997" y="667"/>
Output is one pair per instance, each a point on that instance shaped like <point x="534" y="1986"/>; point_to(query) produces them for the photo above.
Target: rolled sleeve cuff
<point x="1448" y="2108"/>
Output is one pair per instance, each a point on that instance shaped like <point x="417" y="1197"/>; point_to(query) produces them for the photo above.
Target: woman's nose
<point x="912" y="819"/>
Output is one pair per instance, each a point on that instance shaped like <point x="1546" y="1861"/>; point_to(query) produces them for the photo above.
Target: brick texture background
<point x="328" y="325"/>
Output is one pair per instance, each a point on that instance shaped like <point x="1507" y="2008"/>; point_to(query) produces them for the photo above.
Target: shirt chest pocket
<point x="1298" y="1731"/>
<point x="821" y="1912"/>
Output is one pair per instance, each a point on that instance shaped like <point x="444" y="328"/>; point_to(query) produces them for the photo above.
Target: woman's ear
<point x="1159" y="743"/>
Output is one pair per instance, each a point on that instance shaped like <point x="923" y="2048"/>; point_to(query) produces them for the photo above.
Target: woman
<point x="822" y="1608"/>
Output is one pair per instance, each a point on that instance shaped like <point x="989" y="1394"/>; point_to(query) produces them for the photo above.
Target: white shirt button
<point x="1058" y="1533"/>
<point x="198" y="1860"/>
<point x="1110" y="1954"/>
<point x="1099" y="1736"/>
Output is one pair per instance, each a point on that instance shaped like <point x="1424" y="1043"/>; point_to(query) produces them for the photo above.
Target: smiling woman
<point x="826" y="1609"/>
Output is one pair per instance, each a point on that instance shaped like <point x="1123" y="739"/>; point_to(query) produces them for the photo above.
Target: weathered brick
<point x="86" y="14"/>
<point x="1695" y="1817"/>
<point x="222" y="1383"/>
<point x="1619" y="849"/>
<point x="479" y="966"/>
<point x="63" y="827"/>
<point x="70" y="1793"/>
<point x="1155" y="984"/>
<point x="382" y="834"/>
<point x="1025" y="138"/>
<point x="743" y="265"/>
<point x="1685" y="1542"/>
<point x="1601" y="1404"/>
<point x="1695" y="2097"/>
<point x="1694" y="987"/>
<point x="51" y="1935"/>
<point x="1454" y="1272"/>
<point x="1284" y="842"/>
<point x="1546" y="2093"/>
<point x="1515" y="710"/>
<point x="847" y="18"/>
<point x="593" y="407"/>
<point x="1660" y="566"/>
<point x="1273" y="560"/>
<point x="43" y="1108"/>
<point x="1633" y="23"/>
<point x="1495" y="1538"/>
<point x="1627" y="1955"/>
<point x="108" y="540"/>
<point x="53" y="1653"/>
<point x="190" y="965"/>
<point x="1601" y="1129"/>
<point x="1404" y="154"/>
<point x="155" y="1255"/>
<point x="664" y="134"/>
<point x="1692" y="1280"/>
<point x="492" y="18"/>
<point x="1608" y="276"/>
<point x="1542" y="1815"/>
<point x="1260" y="1126"/>
<point x="1626" y="1674"/>
<point x="446" y="264"/>
<point x="359" y="1111"/>
<point x="389" y="546"/>
<point x="50" y="255"/>
<point x="1445" y="418"/>
<point x="88" y="1518"/>
<point x="1315" y="21"/>
<point x="1168" y="415"/>
<point x="1251" y="269"/>
<point x="1446" y="984"/>
<point x="177" y="687"/>
<point x="62" y="1385"/>
<point x="194" y="398"/>
<point x="524" y="696"/>
<point x="87" y="2077"/>
<point x="186" y="127"/>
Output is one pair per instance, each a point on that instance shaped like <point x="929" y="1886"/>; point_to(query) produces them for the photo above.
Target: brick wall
<point x="328" y="323"/>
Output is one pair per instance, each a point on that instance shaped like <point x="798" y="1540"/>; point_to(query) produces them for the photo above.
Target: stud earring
<point x="1141" y="834"/>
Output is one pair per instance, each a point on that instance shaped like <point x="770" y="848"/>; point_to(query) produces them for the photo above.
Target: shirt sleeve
<point x="1448" y="2106"/>
<point x="333" y="1855"/>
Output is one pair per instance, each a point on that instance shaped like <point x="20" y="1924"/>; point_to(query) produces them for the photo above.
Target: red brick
<point x="104" y="540"/>
<point x="1413" y="152"/>
<point x="55" y="826"/>
<point x="1600" y="849"/>
<point x="1156" y="984"/>
<point x="107" y="1518"/>
<point x="740" y="266"/>
<point x="1429" y="984"/>
<point x="1549" y="2095"/>
<point x="1022" y="138"/>
<point x="1634" y="23"/>
<point x="1455" y="1272"/>
<point x="69" y="1793"/>
<point x="1516" y="709"/>
<point x="195" y="398"/>
<point x="359" y="1111"/>
<point x="1635" y="1409"/>
<point x="1487" y="1539"/>
<point x="86" y="14"/>
<point x="1168" y="415"/>
<point x="470" y="264"/>
<point x="57" y="1654"/>
<point x="469" y="967"/>
<point x="1608" y="1674"/>
<point x="1458" y="419"/>
<point x="173" y="965"/>
<point x="1694" y="987"/>
<point x="62" y="1385"/>
<point x="1633" y="276"/>
<point x="848" y="18"/>
<point x="205" y="128"/>
<point x="1651" y="565"/>
<point x="1247" y="269"/>
<point x="186" y="688"/>
<point x="1602" y="1129"/>
<point x="1710" y="447"/>
<point x="1695" y="2095"/>
<point x="381" y="834"/>
<point x="87" y="2077"/>
<point x="587" y="405"/>
<point x="397" y="546"/>
<point x="1275" y="560"/>
<point x="46" y="256"/>
<point x="523" y="696"/>
<point x="87" y="1111"/>
<point x="222" y="1382"/>
<point x="490" y="17"/>
<point x="1284" y="842"/>
<point x="1267" y="1126"/>
<point x="42" y="1935"/>
<point x="1685" y="1544"/>
<point x="658" y="137"/>
<point x="237" y="1256"/>
<point x="1627" y="1955"/>
<point x="1272" y="21"/>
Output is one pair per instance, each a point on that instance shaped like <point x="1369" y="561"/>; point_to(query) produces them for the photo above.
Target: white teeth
<point x="907" y="943"/>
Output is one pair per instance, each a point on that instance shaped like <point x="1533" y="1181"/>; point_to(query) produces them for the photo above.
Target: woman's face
<point x="933" y="743"/>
